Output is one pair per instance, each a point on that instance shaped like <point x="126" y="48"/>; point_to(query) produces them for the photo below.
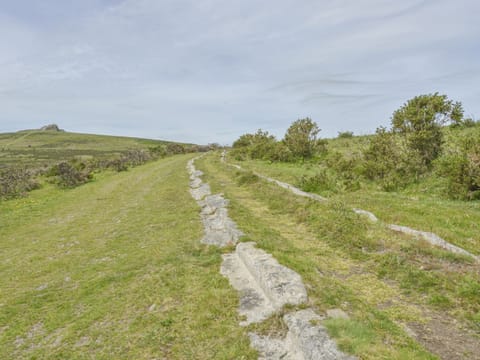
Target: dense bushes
<point x="420" y="121"/>
<point x="300" y="142"/>
<point x="16" y="182"/>
<point x="260" y="145"/>
<point x="301" y="138"/>
<point x="411" y="151"/>
<point x="390" y="162"/>
<point x="461" y="168"/>
<point x="69" y="174"/>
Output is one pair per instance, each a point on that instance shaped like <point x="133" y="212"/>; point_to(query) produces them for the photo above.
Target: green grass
<point x="382" y="279"/>
<point x="34" y="147"/>
<point x="114" y="269"/>
<point x="455" y="221"/>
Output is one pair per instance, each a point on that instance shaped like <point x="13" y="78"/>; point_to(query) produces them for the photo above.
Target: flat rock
<point x="366" y="213"/>
<point x="200" y="192"/>
<point x="433" y="239"/>
<point x="306" y="339"/>
<point x="265" y="286"/>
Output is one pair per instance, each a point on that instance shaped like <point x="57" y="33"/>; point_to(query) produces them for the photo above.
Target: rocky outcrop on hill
<point x="51" y="127"/>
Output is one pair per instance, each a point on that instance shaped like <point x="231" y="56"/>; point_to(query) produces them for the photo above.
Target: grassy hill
<point x="36" y="147"/>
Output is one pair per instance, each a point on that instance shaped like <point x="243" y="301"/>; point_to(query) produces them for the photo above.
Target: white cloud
<point x="211" y="70"/>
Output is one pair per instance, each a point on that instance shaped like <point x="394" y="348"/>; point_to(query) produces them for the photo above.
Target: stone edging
<point x="428" y="236"/>
<point x="265" y="286"/>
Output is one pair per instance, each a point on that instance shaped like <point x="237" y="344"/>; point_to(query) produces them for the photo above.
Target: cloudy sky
<point x="209" y="70"/>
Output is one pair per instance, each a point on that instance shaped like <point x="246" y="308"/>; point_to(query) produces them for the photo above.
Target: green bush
<point x="301" y="138"/>
<point x="420" y="121"/>
<point x="390" y="162"/>
<point x="461" y="168"/>
<point x="280" y="152"/>
<point x="320" y="182"/>
<point x="246" y="177"/>
<point x="345" y="134"/>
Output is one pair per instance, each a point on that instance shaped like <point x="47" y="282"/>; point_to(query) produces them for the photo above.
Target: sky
<point x="206" y="71"/>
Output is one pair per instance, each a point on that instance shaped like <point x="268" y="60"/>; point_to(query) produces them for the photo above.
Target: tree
<point x="301" y="138"/>
<point x="420" y="120"/>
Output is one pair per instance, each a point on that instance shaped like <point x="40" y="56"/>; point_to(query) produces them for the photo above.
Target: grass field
<point x="114" y="270"/>
<point x="416" y="207"/>
<point x="34" y="147"/>
<point x="385" y="281"/>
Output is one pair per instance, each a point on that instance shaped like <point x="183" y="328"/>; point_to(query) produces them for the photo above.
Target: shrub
<point x="321" y="181"/>
<point x="349" y="170"/>
<point x="15" y="182"/>
<point x="390" y="162"/>
<point x="69" y="174"/>
<point x="173" y="149"/>
<point x="301" y="138"/>
<point x="158" y="151"/>
<point x="420" y="121"/>
<point x="136" y="157"/>
<point x="119" y="164"/>
<point x="345" y="134"/>
<point x="280" y="152"/>
<point x="260" y="145"/>
<point x="461" y="168"/>
<point x="247" y="177"/>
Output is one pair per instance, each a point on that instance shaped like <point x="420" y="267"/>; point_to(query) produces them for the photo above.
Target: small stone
<point x="42" y="287"/>
<point x="83" y="341"/>
<point x="337" y="314"/>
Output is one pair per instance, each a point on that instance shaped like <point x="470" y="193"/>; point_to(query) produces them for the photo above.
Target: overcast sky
<point x="208" y="70"/>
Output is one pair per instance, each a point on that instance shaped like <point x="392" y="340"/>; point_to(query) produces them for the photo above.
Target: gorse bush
<point x="300" y="142"/>
<point x="461" y="168"/>
<point x="15" y="182"/>
<point x="345" y="134"/>
<point x="322" y="181"/>
<point x="389" y="161"/>
<point x="260" y="145"/>
<point x="301" y="138"/>
<point x="69" y="174"/>
<point x="420" y="121"/>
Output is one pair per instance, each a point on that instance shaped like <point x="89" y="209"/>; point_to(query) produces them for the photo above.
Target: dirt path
<point x="265" y="286"/>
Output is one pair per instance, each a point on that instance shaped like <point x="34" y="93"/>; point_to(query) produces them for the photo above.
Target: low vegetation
<point x="30" y="158"/>
<point x="387" y="282"/>
<point x="428" y="139"/>
<point x="114" y="269"/>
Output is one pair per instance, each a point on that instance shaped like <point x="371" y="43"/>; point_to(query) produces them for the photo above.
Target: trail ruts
<point x="265" y="286"/>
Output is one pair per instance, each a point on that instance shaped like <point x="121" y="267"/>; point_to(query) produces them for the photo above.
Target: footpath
<point x="264" y="285"/>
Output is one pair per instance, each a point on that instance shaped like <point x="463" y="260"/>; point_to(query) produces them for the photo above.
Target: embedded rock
<point x="306" y="339"/>
<point x="265" y="286"/>
<point x="366" y="213"/>
<point x="433" y="239"/>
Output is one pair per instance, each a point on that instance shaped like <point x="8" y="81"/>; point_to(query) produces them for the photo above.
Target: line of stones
<point x="430" y="237"/>
<point x="265" y="286"/>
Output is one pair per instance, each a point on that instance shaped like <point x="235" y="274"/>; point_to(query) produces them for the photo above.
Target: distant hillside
<point x="44" y="147"/>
